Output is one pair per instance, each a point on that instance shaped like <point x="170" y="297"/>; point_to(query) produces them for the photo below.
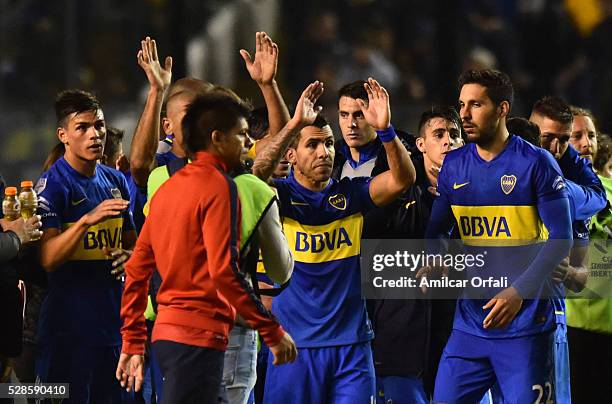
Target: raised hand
<point x="26" y="230"/>
<point x="377" y="112"/>
<point x="305" y="110"/>
<point x="263" y="68"/>
<point x="105" y="210"/>
<point x="159" y="77"/>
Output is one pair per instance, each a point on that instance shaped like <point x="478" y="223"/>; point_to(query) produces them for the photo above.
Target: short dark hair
<point x="208" y="113"/>
<point x="604" y="152"/>
<point x="525" y="129"/>
<point x="258" y="123"/>
<point x="319" y="122"/>
<point x="355" y="90"/>
<point x="498" y="85"/>
<point x="439" y="111"/>
<point x="114" y="137"/>
<point x="70" y="101"/>
<point x="553" y="108"/>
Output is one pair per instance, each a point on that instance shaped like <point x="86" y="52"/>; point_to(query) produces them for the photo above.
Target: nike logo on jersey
<point x="294" y="203"/>
<point x="75" y="203"/>
<point x="457" y="186"/>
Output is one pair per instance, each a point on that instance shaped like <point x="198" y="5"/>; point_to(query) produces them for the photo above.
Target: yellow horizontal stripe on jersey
<point x="105" y="234"/>
<point x="499" y="225"/>
<point x="332" y="241"/>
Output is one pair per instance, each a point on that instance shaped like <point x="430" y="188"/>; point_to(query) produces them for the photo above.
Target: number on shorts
<point x="540" y="390"/>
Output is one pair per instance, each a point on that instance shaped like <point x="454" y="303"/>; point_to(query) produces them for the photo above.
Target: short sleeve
<point x="360" y="187"/>
<point x="549" y="182"/>
<point x="51" y="202"/>
<point x="128" y="217"/>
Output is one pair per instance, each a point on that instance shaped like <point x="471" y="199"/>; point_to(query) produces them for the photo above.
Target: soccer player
<point x="322" y="305"/>
<point x="500" y="189"/>
<point x="196" y="305"/>
<point x="86" y="222"/>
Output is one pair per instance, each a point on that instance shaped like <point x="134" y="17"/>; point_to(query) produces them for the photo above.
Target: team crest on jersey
<point x="116" y="193"/>
<point x="40" y="185"/>
<point x="338" y="201"/>
<point x="507" y="183"/>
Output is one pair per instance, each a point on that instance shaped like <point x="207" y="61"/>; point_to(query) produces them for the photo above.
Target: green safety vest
<point x="255" y="196"/>
<point x="591" y="309"/>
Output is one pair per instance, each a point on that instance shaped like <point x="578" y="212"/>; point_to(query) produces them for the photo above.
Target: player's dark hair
<point x="114" y="137"/>
<point x="553" y="108"/>
<point x="525" y="129"/>
<point x="438" y="111"/>
<point x="604" y="152"/>
<point x="319" y="122"/>
<point x="208" y="113"/>
<point x="70" y="101"/>
<point x="498" y="85"/>
<point x="258" y="123"/>
<point x="354" y="90"/>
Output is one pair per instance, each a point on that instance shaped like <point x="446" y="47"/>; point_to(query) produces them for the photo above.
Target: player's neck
<point x="354" y="154"/>
<point x="427" y="164"/>
<point x="85" y="167"/>
<point x="178" y="150"/>
<point x="310" y="184"/>
<point x="495" y="145"/>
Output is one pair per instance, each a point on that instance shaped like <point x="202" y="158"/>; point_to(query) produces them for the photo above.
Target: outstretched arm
<point x="305" y="114"/>
<point x="263" y="71"/>
<point x="146" y="136"/>
<point x="386" y="187"/>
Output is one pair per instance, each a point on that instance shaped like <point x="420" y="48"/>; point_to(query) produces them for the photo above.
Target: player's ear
<point x="291" y="155"/>
<point x="504" y="108"/>
<point x="167" y="126"/>
<point x="62" y="135"/>
<point x="420" y="144"/>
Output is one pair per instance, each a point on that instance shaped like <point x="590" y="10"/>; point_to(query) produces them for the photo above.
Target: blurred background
<point x="415" y="48"/>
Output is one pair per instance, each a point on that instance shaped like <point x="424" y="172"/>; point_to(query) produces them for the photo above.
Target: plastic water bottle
<point x="11" y="208"/>
<point x="28" y="201"/>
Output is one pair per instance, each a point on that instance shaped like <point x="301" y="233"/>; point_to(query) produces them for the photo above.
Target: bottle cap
<point x="10" y="191"/>
<point x="27" y="184"/>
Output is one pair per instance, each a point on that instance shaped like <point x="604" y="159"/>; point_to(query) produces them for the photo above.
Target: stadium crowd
<point x="220" y="262"/>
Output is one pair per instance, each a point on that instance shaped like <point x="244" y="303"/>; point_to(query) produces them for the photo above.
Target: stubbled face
<point x="554" y="136"/>
<point x="313" y="158"/>
<point x="175" y="112"/>
<point x="438" y="138"/>
<point x="584" y="136"/>
<point x="84" y="135"/>
<point x="480" y="117"/>
<point x="231" y="147"/>
<point x="355" y="129"/>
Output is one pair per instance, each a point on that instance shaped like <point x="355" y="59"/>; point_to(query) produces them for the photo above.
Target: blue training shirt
<point x="322" y="306"/>
<point x="83" y="298"/>
<point x="495" y="205"/>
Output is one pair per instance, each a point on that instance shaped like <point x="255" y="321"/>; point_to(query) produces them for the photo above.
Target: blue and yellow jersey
<point x="495" y="205"/>
<point x="83" y="298"/>
<point x="322" y="306"/>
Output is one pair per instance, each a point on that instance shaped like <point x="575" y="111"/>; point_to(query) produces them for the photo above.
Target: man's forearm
<point x="57" y="248"/>
<point x="146" y="137"/>
<point x="268" y="158"/>
<point x="278" y="114"/>
<point x="400" y="165"/>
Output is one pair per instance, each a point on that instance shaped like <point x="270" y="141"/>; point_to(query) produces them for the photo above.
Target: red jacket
<point x="192" y="236"/>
